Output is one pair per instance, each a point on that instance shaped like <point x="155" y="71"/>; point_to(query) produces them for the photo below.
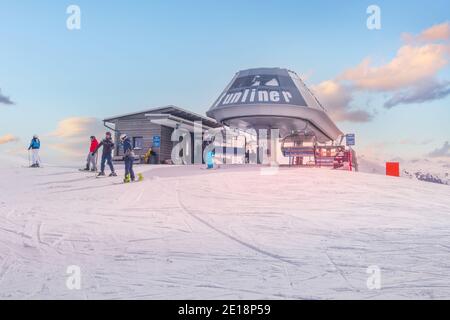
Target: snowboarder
<point x="108" y="147"/>
<point x="91" y="161"/>
<point x="128" y="158"/>
<point x="35" y="145"/>
<point x="148" y="156"/>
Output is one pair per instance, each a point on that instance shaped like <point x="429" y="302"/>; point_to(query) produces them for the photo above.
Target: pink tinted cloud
<point x="337" y="99"/>
<point x="76" y="127"/>
<point x="71" y="137"/>
<point x="411" y="65"/>
<point x="8" y="138"/>
<point x="438" y="32"/>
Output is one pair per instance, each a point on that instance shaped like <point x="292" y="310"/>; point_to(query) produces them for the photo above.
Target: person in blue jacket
<point x="35" y="145"/>
<point x="128" y="158"/>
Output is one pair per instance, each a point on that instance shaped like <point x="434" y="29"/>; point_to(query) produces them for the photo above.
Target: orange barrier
<point x="393" y="169"/>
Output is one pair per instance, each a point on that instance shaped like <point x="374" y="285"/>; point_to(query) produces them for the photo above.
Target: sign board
<point x="262" y="87"/>
<point x="298" y="152"/>
<point x="350" y="138"/>
<point x="393" y="169"/>
<point x="156" y="142"/>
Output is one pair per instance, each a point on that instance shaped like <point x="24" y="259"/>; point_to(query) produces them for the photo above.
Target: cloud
<point x="409" y="141"/>
<point x="5" y="100"/>
<point x="410" y="77"/>
<point x="411" y="65"/>
<point x="337" y="99"/>
<point x="430" y="91"/>
<point x="8" y="138"/>
<point x="437" y="32"/>
<point x="442" y="152"/>
<point x="76" y="127"/>
<point x="71" y="137"/>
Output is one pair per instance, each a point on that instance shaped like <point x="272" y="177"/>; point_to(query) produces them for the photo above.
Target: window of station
<point x="138" y="143"/>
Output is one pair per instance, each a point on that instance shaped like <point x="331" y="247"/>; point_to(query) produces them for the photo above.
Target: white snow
<point x="232" y="233"/>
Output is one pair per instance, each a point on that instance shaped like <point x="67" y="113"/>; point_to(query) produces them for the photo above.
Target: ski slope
<point x="231" y="233"/>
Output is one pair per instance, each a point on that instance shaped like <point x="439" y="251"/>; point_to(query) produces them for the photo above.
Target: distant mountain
<point x="434" y="171"/>
<point x="428" y="177"/>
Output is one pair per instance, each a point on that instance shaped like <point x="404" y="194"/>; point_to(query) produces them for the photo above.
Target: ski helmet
<point x="123" y="137"/>
<point x="35" y="136"/>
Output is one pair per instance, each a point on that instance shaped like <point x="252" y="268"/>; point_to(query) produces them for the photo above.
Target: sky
<point x="391" y="87"/>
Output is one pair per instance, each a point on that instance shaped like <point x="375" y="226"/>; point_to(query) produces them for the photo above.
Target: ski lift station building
<point x="153" y="128"/>
<point x="263" y="98"/>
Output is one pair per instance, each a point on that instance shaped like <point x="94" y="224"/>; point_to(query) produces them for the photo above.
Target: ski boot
<point x="140" y="177"/>
<point x="127" y="179"/>
<point x="113" y="174"/>
<point x="101" y="174"/>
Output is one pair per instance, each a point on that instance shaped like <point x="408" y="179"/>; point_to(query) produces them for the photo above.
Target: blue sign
<point x="350" y="138"/>
<point x="156" y="141"/>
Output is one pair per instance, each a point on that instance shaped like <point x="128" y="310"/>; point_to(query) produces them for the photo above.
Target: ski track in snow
<point x="227" y="235"/>
<point x="232" y="233"/>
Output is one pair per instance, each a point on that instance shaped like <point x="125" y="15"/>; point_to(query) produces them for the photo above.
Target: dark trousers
<point x="129" y="167"/>
<point x="106" y="158"/>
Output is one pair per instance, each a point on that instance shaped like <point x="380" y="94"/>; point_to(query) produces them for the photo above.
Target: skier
<point x="108" y="147"/>
<point x="35" y="145"/>
<point x="91" y="163"/>
<point x="129" y="159"/>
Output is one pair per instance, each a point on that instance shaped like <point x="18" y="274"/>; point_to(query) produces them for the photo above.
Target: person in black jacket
<point x="128" y="158"/>
<point x="108" y="147"/>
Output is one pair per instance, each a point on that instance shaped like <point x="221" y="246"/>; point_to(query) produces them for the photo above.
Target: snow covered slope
<point x="232" y="233"/>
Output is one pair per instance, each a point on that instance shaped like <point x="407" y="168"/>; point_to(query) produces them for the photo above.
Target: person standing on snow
<point x="128" y="158"/>
<point x="92" y="156"/>
<point x="108" y="147"/>
<point x="35" y="145"/>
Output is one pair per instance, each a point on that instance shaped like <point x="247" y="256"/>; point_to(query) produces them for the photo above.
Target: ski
<point x="105" y="176"/>
<point x="87" y="171"/>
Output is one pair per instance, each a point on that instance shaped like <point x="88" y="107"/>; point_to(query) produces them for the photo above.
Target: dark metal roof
<point x="175" y="111"/>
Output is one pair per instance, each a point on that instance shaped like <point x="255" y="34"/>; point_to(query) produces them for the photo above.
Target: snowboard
<point x="140" y="178"/>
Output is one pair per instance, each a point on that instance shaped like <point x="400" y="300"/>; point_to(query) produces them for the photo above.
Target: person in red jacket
<point x="91" y="164"/>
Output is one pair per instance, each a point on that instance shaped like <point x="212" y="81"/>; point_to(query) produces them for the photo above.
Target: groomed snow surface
<point x="231" y="233"/>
